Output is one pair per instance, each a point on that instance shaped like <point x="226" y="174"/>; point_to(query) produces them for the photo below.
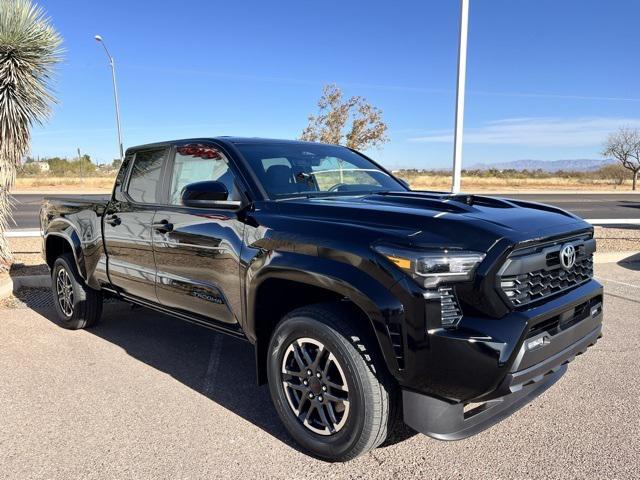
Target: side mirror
<point x="207" y="194"/>
<point x="405" y="183"/>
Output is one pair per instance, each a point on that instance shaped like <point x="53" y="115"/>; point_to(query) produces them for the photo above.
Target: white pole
<point x="115" y="97"/>
<point x="462" y="74"/>
<point x="112" y="64"/>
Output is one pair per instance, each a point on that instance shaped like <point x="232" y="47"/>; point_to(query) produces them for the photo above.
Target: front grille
<point x="532" y="286"/>
<point x="538" y="275"/>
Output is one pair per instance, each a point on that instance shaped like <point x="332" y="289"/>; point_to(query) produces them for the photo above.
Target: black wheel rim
<point x="64" y="289"/>
<point x="315" y="386"/>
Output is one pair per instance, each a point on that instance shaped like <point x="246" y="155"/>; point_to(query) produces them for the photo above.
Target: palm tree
<point x="29" y="50"/>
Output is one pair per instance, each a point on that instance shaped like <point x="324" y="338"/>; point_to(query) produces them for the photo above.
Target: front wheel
<point x="77" y="305"/>
<point x="327" y="384"/>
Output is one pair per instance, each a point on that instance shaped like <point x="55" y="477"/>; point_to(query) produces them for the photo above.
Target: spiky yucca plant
<point x="29" y="50"/>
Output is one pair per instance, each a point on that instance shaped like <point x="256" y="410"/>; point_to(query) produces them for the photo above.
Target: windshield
<point x="287" y="170"/>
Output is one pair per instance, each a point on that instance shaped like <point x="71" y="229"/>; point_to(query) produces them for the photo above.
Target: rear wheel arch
<point x="57" y="244"/>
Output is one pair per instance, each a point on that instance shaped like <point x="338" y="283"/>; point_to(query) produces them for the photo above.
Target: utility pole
<point x="462" y="74"/>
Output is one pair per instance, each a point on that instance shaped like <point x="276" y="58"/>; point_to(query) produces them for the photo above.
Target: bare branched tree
<point x="29" y="49"/>
<point x="331" y="124"/>
<point x="624" y="146"/>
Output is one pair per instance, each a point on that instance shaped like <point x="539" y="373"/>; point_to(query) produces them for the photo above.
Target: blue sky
<point x="546" y="79"/>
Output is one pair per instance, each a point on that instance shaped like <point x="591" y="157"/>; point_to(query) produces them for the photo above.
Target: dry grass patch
<point x="442" y="182"/>
<point x="61" y="183"/>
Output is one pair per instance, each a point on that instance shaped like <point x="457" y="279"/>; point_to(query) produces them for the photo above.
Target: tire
<point x="81" y="306"/>
<point x="371" y="395"/>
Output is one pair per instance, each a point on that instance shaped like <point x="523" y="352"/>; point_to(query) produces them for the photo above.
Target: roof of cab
<point x="224" y="139"/>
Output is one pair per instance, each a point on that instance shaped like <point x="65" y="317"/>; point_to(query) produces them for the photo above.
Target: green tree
<point x="82" y="166"/>
<point x="352" y="122"/>
<point x="29" y="50"/>
<point x="28" y="169"/>
<point x="58" y="167"/>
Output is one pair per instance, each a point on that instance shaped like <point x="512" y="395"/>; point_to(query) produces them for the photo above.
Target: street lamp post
<point x="462" y="74"/>
<point x="115" y="93"/>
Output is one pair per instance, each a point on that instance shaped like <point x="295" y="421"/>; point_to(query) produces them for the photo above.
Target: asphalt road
<point x="616" y="206"/>
<point x="26" y="209"/>
<point x="585" y="205"/>
<point x="142" y="395"/>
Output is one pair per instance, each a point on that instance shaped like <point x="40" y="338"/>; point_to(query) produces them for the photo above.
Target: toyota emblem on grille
<point x="568" y="256"/>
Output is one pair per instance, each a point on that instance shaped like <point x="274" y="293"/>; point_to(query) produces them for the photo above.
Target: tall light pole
<point x="462" y="74"/>
<point x="115" y="93"/>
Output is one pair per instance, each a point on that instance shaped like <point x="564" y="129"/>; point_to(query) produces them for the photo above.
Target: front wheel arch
<point x="275" y="297"/>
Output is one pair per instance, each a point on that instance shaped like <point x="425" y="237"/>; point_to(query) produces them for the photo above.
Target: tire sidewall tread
<point x="368" y="422"/>
<point x="87" y="302"/>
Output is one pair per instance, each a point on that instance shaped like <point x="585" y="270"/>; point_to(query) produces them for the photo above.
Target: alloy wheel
<point x="64" y="289"/>
<point x="315" y="386"/>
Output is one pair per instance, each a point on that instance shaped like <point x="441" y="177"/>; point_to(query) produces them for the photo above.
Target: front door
<point x="197" y="250"/>
<point x="128" y="225"/>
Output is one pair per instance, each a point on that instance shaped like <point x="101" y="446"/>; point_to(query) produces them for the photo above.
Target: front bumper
<point x="553" y="335"/>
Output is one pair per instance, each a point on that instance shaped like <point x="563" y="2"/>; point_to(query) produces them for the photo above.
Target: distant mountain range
<point x="576" y="165"/>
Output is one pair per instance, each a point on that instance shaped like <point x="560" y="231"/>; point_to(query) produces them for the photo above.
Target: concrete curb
<point x="13" y="284"/>
<point x="23" y="233"/>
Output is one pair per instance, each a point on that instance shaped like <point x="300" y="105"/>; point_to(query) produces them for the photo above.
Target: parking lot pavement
<point x="142" y="395"/>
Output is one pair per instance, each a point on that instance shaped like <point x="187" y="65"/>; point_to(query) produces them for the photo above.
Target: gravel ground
<point x="618" y="239"/>
<point x="142" y="395"/>
<point x="27" y="257"/>
<point x="28" y="298"/>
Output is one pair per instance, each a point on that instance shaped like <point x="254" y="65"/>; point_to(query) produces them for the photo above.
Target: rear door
<point x="128" y="224"/>
<point x="198" y="251"/>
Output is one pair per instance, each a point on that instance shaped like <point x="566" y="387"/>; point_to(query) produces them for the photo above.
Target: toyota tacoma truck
<point x="367" y="303"/>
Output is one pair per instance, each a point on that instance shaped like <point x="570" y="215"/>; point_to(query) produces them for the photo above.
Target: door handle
<point x="163" y="226"/>
<point x="113" y="220"/>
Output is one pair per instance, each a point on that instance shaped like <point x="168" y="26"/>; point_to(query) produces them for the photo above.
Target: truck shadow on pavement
<point x="629" y="204"/>
<point x="631" y="263"/>
<point x="218" y="366"/>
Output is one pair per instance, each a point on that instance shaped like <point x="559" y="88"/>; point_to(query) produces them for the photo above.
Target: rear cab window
<point x="145" y="180"/>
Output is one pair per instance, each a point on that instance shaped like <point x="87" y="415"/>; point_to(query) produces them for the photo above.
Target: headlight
<point x="430" y="268"/>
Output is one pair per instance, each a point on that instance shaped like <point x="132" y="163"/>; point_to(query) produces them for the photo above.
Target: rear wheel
<point x="329" y="388"/>
<point x="77" y="305"/>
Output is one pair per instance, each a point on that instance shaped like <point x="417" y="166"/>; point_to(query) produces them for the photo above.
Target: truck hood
<point x="437" y="219"/>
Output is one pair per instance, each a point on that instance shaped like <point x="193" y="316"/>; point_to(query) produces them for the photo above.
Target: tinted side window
<point x="197" y="163"/>
<point x="146" y="175"/>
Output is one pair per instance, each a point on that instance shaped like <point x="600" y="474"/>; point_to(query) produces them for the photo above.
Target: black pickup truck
<point x="366" y="303"/>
